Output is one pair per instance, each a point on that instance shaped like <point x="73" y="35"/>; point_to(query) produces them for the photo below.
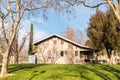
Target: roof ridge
<point x="73" y="42"/>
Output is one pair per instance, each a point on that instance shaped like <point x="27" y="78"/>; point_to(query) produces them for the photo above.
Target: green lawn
<point x="64" y="72"/>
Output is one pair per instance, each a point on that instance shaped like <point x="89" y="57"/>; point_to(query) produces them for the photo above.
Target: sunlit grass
<point x="64" y="72"/>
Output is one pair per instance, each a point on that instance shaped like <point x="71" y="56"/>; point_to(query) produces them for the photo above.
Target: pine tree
<point x="102" y="31"/>
<point x="30" y="51"/>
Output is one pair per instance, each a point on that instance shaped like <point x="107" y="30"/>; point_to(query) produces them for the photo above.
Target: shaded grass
<point x="63" y="72"/>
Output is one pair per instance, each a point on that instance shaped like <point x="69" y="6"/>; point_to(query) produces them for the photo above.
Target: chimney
<point x="70" y="34"/>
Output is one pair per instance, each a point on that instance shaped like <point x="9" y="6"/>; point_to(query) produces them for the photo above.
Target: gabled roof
<point x="63" y="38"/>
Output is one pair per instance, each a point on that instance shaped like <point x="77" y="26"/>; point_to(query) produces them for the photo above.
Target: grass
<point x="63" y="72"/>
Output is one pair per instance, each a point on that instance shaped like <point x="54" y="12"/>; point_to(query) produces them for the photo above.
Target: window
<point x="62" y="53"/>
<point x="55" y="41"/>
<point x="49" y="54"/>
<point x="76" y="53"/>
<point x="62" y="42"/>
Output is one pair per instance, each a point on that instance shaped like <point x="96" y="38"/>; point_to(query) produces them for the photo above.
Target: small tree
<point x="79" y="36"/>
<point x="30" y="51"/>
<point x="17" y="47"/>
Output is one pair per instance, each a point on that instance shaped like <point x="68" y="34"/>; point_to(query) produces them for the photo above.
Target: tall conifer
<point x="30" y="51"/>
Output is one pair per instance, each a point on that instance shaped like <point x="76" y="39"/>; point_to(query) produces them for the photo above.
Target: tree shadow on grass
<point x="82" y="71"/>
<point x="76" y="71"/>
<point x="112" y="70"/>
<point x="35" y="73"/>
<point x="79" y="72"/>
<point x="55" y="77"/>
<point x="98" y="73"/>
<point x="23" y="66"/>
<point x="17" y="67"/>
<point x="32" y="76"/>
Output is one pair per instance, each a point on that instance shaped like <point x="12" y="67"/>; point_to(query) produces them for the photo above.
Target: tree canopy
<point x="94" y="31"/>
<point x="102" y="31"/>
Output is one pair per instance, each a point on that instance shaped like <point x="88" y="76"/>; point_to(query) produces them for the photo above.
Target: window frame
<point x="62" y="53"/>
<point x="76" y="53"/>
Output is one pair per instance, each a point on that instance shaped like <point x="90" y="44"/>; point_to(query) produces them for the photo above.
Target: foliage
<point x="102" y="31"/>
<point x="90" y="43"/>
<point x="34" y="48"/>
<point x="101" y="52"/>
<point x="110" y="35"/>
<point x="30" y="51"/>
<point x="63" y="72"/>
<point x="94" y="31"/>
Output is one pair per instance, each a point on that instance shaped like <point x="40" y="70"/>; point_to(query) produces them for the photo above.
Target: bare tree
<point x="17" y="47"/>
<point x="79" y="36"/>
<point x="55" y="54"/>
<point x="23" y="56"/>
<point x="13" y="29"/>
<point x="47" y="55"/>
<point x="12" y="12"/>
<point x="41" y="53"/>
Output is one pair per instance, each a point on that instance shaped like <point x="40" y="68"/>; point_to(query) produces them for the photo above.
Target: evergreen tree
<point x="94" y="31"/>
<point x="102" y="31"/>
<point x="89" y="43"/>
<point x="30" y="51"/>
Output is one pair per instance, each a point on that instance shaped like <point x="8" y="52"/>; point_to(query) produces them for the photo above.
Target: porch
<point x="87" y="57"/>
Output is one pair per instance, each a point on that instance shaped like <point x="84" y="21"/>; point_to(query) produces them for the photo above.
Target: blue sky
<point x="57" y="23"/>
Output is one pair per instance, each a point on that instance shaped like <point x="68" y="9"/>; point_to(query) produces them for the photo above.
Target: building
<point x="60" y="50"/>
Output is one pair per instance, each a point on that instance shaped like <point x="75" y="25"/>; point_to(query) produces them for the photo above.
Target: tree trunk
<point x="4" y="71"/>
<point x="109" y="51"/>
<point x="109" y="56"/>
<point x="16" y="58"/>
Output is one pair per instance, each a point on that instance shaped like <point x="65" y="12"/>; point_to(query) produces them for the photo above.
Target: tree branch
<point x="86" y="5"/>
<point x="6" y="15"/>
<point x="15" y="30"/>
<point x="11" y="17"/>
<point x="3" y="31"/>
<point x="18" y="9"/>
<point x="116" y="9"/>
<point x="3" y="28"/>
<point x="1" y="49"/>
<point x="94" y="5"/>
<point x="23" y="42"/>
<point x="31" y="9"/>
<point x="36" y="8"/>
